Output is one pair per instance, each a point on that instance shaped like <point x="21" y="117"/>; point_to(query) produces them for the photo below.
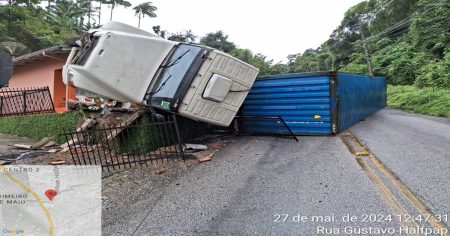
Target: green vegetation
<point x="142" y="140"/>
<point x="407" y="40"/>
<point x="427" y="101"/>
<point x="27" y="26"/>
<point x="40" y="126"/>
<point x="23" y="29"/>
<point x="144" y="9"/>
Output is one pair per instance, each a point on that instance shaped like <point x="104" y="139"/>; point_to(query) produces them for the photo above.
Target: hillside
<point x="406" y="40"/>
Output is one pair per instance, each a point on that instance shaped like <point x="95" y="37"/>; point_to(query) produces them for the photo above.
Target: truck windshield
<point x="175" y="74"/>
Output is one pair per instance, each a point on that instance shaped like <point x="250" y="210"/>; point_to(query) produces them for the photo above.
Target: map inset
<point x="50" y="200"/>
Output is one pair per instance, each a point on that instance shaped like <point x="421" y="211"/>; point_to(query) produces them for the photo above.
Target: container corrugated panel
<point x="359" y="97"/>
<point x="316" y="103"/>
<point x="303" y="102"/>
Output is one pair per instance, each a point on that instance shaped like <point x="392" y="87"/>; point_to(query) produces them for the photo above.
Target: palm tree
<point x="65" y="14"/>
<point x="99" y="9"/>
<point x="145" y="9"/>
<point x="115" y="3"/>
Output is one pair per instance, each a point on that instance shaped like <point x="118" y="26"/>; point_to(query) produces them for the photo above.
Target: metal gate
<point x="26" y="101"/>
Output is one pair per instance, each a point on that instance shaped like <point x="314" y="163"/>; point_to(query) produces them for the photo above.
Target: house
<point x="43" y="68"/>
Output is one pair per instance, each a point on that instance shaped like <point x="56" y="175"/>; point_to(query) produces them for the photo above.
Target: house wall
<point x="41" y="73"/>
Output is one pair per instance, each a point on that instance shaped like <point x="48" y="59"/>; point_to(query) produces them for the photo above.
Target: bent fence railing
<point x="25" y="101"/>
<point x="199" y="132"/>
<point x="156" y="138"/>
<point x="267" y="126"/>
<point x="121" y="146"/>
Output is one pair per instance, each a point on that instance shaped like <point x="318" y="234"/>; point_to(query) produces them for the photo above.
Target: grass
<point x="39" y="126"/>
<point x="144" y="139"/>
<point x="429" y="101"/>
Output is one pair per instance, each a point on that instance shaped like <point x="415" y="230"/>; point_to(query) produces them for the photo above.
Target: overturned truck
<point x="127" y="64"/>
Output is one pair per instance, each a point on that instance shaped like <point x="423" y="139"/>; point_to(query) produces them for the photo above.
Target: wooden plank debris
<point x="124" y="124"/>
<point x="87" y="124"/>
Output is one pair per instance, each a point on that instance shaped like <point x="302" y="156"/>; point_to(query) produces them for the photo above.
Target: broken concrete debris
<point x="22" y="146"/>
<point x="204" y="156"/>
<point x="160" y="171"/>
<point x="41" y="143"/>
<point x="194" y="147"/>
<point x="91" y="103"/>
<point x="58" y="162"/>
<point x="56" y="154"/>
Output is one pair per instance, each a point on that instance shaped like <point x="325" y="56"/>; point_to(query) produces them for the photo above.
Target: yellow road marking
<point x="418" y="204"/>
<point x="348" y="140"/>
<point x="364" y="151"/>
<point x="386" y="194"/>
<point x="26" y="188"/>
<point x="399" y="185"/>
<point x="361" y="153"/>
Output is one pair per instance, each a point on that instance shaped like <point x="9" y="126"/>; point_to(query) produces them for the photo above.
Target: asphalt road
<point x="257" y="186"/>
<point x="6" y="142"/>
<point x="416" y="148"/>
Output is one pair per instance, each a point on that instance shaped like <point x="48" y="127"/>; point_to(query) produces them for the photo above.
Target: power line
<point x="394" y="30"/>
<point x="398" y="27"/>
<point x="359" y="23"/>
<point x="404" y="23"/>
<point x="386" y="3"/>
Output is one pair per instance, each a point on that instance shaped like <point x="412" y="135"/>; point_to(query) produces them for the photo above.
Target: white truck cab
<point x="127" y="64"/>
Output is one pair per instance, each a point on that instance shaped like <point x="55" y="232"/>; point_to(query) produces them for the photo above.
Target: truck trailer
<point x="128" y="64"/>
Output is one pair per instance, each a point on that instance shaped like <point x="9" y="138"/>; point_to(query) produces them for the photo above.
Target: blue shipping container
<point x="317" y="103"/>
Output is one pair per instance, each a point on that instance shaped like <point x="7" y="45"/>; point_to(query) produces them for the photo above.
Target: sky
<point x="272" y="28"/>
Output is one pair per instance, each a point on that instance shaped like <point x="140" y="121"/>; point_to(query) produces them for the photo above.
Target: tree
<point x="14" y="48"/>
<point x="115" y="3"/>
<point x="257" y="60"/>
<point x="28" y="29"/>
<point x="218" y="40"/>
<point x="66" y="14"/>
<point x="187" y="36"/>
<point x="27" y="3"/>
<point x="308" y="61"/>
<point x="159" y="32"/>
<point x="98" y="10"/>
<point x="145" y="9"/>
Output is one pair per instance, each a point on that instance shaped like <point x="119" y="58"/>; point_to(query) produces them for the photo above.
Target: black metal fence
<point x="25" y="101"/>
<point x="158" y="138"/>
<point x="267" y="126"/>
<point x="199" y="132"/>
<point x="114" y="147"/>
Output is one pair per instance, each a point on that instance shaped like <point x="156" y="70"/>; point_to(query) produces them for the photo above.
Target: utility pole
<point x="366" y="51"/>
